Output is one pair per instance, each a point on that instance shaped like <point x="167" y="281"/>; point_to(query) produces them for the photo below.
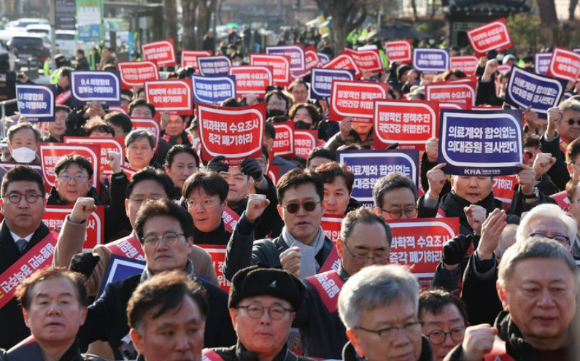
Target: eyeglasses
<point x="572" y="121"/>
<point x="77" y="177"/>
<point x="257" y="311"/>
<point x="169" y="238"/>
<point x="382" y="256"/>
<point x="390" y="333"/>
<point x="206" y="202"/>
<point x="574" y="165"/>
<point x="29" y="197"/>
<point x="308" y="206"/>
<point x="437" y="337"/>
<point x="559" y="237"/>
<point x="141" y="199"/>
<point x="410" y="212"/>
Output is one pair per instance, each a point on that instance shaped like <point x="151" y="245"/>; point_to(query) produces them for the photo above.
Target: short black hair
<point x="178" y="149"/>
<point x="280" y="94"/>
<point x="64" y="71"/>
<point x="211" y="182"/>
<point x="269" y="130"/>
<point x="321" y="152"/>
<point x="139" y="102"/>
<point x="297" y="82"/>
<point x="390" y="182"/>
<point x="163" y="208"/>
<point x="65" y="161"/>
<point x="164" y="292"/>
<point x="314" y="114"/>
<point x="22" y="173"/>
<point x="150" y="173"/>
<point x="296" y="177"/>
<point x="120" y="120"/>
<point x="99" y="126"/>
<point x="531" y="140"/>
<point x="329" y="171"/>
<point x="434" y="300"/>
<point x="23" y="290"/>
<point x="21" y="126"/>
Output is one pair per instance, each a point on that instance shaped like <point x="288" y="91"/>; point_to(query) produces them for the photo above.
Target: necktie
<point x="21" y="244"/>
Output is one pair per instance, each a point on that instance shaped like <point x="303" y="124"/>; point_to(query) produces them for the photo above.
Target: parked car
<point x="26" y="46"/>
<point x="66" y="43"/>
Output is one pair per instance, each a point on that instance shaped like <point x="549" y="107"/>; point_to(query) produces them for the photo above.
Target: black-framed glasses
<point x="308" y="206"/>
<point x="383" y="255"/>
<point x="77" y="177"/>
<point x="257" y="311"/>
<point x="558" y="237"/>
<point x="396" y="213"/>
<point x="574" y="165"/>
<point x="390" y="333"/>
<point x="572" y="121"/>
<point x="437" y="337"/>
<point x="28" y="197"/>
<point x="169" y="238"/>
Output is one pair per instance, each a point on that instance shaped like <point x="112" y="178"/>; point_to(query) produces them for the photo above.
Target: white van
<point x="65" y="41"/>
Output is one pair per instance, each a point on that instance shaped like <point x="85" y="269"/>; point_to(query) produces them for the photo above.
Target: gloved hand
<point x="455" y="249"/>
<point x="251" y="167"/>
<point x="84" y="263"/>
<point x="217" y="165"/>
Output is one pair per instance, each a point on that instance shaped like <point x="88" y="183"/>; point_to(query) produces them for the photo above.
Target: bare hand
<point x="475" y="217"/>
<point x="554" y="118"/>
<point x="290" y="260"/>
<point x="82" y="209"/>
<point x="491" y="233"/>
<point x="526" y="178"/>
<point x="114" y="161"/>
<point x="255" y="208"/>
<point x="436" y="178"/>
<point x="345" y="126"/>
<point x="542" y="163"/>
<point x="477" y="342"/>
<point x="432" y="149"/>
<point x="490" y="69"/>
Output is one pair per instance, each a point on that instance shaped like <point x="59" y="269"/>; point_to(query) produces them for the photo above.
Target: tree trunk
<point x="170" y="20"/>
<point x="189" y="10"/>
<point x="571" y="8"/>
<point x="204" y="12"/>
<point x="414" y="7"/>
<point x="548" y="18"/>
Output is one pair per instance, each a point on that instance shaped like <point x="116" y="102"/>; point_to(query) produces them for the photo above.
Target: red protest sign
<point x="230" y="218"/>
<point x="284" y="142"/>
<point x="136" y="73"/>
<point x="149" y="124"/>
<point x="235" y="133"/>
<point x="491" y="36"/>
<point x="50" y="153"/>
<point x="311" y="58"/>
<point x="565" y="64"/>
<point x="504" y="188"/>
<point x="344" y="61"/>
<point x="451" y="92"/>
<point x="399" y="51"/>
<point x="173" y="95"/>
<point x="331" y="226"/>
<point x="304" y="142"/>
<point x="465" y="63"/>
<point x="355" y="99"/>
<point x="456" y="105"/>
<point x="107" y="145"/>
<point x="160" y="52"/>
<point x="251" y="79"/>
<point x="409" y="123"/>
<point x="419" y="243"/>
<point x="189" y="57"/>
<point x="54" y="216"/>
<point x="280" y="65"/>
<point x="367" y="60"/>
<point x="218" y="258"/>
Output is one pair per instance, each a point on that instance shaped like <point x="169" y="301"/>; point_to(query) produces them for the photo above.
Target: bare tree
<point x="196" y="21"/>
<point x="347" y="15"/>
<point x="170" y="20"/>
<point x="548" y="17"/>
<point x="571" y="9"/>
<point x="414" y="7"/>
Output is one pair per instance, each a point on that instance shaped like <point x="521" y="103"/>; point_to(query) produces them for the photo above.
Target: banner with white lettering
<point x="367" y="60"/>
<point x="36" y="102"/>
<point x="236" y="133"/>
<point x="504" y="187"/>
<point x="430" y="60"/>
<point x="541" y="92"/>
<point x="322" y="81"/>
<point x="50" y="153"/>
<point x="542" y="62"/>
<point x="565" y="64"/>
<point x="344" y="61"/>
<point x="214" y="89"/>
<point x="218" y="259"/>
<point x="252" y="79"/>
<point x="483" y="143"/>
<point x="54" y="217"/>
<point x="409" y="123"/>
<point x="90" y="86"/>
<point x="465" y="63"/>
<point x="295" y="52"/>
<point x="136" y="73"/>
<point x="452" y="91"/>
<point x="304" y="142"/>
<point x="355" y="99"/>
<point x="399" y="51"/>
<point x="171" y="95"/>
<point x="370" y="165"/>
<point x="107" y="145"/>
<point x="160" y="52"/>
<point x="284" y="142"/>
<point x="189" y="57"/>
<point x="213" y="65"/>
<point x="331" y="226"/>
<point x="280" y="65"/>
<point x="491" y="36"/>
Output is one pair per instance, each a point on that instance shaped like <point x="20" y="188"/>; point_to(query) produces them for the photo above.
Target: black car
<point x="30" y="46"/>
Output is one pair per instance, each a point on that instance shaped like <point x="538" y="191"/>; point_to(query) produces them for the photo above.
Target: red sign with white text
<point x="452" y="92"/>
<point x="230" y="218"/>
<point x="251" y="79"/>
<point x="311" y="58"/>
<point x="284" y="142"/>
<point x="344" y="61"/>
<point x="491" y="36"/>
<point x="136" y="73"/>
<point x="218" y="258"/>
<point x="504" y="188"/>
<point x="50" y="153"/>
<point x="236" y="133"/>
<point x="331" y="226"/>
<point x="189" y="57"/>
<point x="173" y="95"/>
<point x="54" y="217"/>
<point x="419" y="244"/>
<point x="565" y="64"/>
<point x="304" y="142"/>
<point x="409" y="123"/>
<point x="367" y="60"/>
<point x="280" y="65"/>
<point x="160" y="52"/>
<point x="149" y="124"/>
<point x="107" y="145"/>
<point x="355" y="99"/>
<point x="399" y="51"/>
<point x="465" y="63"/>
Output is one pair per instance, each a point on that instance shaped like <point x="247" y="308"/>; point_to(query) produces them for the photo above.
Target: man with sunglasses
<point x="22" y="235"/>
<point x="563" y="128"/>
<point x="302" y="248"/>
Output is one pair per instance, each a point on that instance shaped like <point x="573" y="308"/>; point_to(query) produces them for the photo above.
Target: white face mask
<point x="236" y="63"/>
<point x="23" y="155"/>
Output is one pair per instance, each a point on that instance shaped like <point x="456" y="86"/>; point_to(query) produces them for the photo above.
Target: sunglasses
<point x="308" y="206"/>
<point x="571" y="122"/>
